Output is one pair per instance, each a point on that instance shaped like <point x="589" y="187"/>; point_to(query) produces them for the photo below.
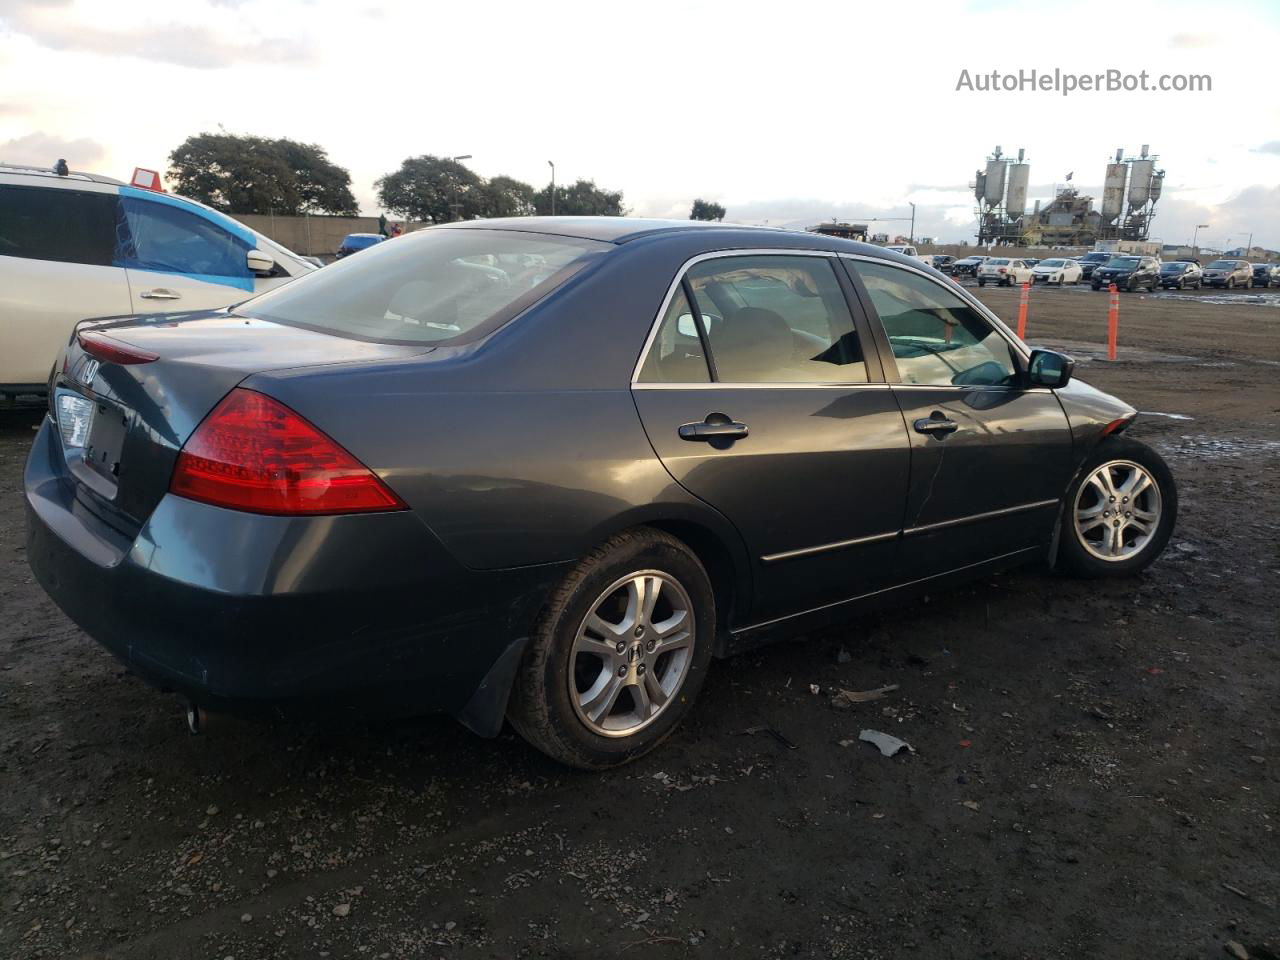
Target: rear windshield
<point x="433" y="286"/>
<point x="1097" y="256"/>
<point x="1124" y="261"/>
<point x="1172" y="267"/>
<point x="1223" y="265"/>
<point x="998" y="263"/>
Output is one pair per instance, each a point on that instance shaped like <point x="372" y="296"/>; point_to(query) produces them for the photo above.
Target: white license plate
<point x="75" y="417"/>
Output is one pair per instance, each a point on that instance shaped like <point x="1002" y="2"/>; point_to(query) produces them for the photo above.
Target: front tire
<point x="618" y="654"/>
<point x="1119" y="511"/>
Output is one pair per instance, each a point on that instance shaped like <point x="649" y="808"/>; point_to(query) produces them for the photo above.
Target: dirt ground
<point x="1097" y="765"/>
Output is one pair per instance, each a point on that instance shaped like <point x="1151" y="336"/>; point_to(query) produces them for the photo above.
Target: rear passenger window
<point x="937" y="337"/>
<point x="164" y="238"/>
<point x="69" y="226"/>
<point x="777" y="319"/>
<point x="676" y="355"/>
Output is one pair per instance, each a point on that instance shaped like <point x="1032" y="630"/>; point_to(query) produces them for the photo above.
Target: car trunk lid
<point x="124" y="422"/>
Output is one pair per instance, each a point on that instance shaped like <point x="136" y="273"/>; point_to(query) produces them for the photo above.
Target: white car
<point x="75" y="246"/>
<point x="1003" y="271"/>
<point x="909" y="251"/>
<point x="1057" y="270"/>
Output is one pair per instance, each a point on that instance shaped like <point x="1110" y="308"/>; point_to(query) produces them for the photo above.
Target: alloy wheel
<point x="631" y="653"/>
<point x="1117" y="510"/>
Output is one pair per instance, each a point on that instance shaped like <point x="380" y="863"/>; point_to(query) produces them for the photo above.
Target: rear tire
<point x="602" y="682"/>
<point x="1119" y="511"/>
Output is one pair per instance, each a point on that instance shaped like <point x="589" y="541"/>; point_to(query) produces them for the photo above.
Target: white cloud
<point x="213" y="36"/>
<point x="43" y="150"/>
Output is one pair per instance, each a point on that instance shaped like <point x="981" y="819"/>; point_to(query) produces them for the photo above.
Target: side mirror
<point x="1048" y="368"/>
<point x="260" y="262"/>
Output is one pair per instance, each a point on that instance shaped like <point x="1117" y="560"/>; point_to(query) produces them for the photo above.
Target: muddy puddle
<point x="1206" y="447"/>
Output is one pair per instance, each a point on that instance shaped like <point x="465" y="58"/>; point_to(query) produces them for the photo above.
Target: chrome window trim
<point x="997" y="324"/>
<point x="968" y="388"/>
<point x="675" y="285"/>
<point x="781" y="385"/>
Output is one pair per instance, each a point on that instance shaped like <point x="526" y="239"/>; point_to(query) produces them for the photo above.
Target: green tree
<point x="507" y="197"/>
<point x="245" y="174"/>
<point x="706" y="210"/>
<point x="432" y="189"/>
<point x="581" y="199"/>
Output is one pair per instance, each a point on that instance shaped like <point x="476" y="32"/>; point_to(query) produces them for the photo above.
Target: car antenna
<point x="60" y="168"/>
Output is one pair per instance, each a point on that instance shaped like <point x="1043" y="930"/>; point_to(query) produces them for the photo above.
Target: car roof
<point x="608" y="229"/>
<point x="45" y="173"/>
<point x="711" y="235"/>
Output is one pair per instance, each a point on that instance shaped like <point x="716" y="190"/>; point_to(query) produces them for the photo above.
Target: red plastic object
<point x="253" y="453"/>
<point x="111" y="350"/>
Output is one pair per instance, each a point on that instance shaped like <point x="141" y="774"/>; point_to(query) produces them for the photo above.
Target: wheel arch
<point x="714" y="541"/>
<point x="719" y="563"/>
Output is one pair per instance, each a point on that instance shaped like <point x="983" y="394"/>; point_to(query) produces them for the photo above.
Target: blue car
<point x="355" y="242"/>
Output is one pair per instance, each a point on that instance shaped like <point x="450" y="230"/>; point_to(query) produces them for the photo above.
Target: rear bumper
<point x="282" y="615"/>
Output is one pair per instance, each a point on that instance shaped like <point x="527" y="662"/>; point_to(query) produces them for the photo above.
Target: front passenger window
<point x="937" y="337"/>
<point x="167" y="239"/>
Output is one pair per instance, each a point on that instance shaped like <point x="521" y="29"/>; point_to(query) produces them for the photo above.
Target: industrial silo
<point x="1016" y="201"/>
<point x="1113" y="190"/>
<point x="993" y="192"/>
<point x="1140" y="183"/>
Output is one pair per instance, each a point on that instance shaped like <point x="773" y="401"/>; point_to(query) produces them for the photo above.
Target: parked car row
<point x="1266" y="274"/>
<point x="1101" y="268"/>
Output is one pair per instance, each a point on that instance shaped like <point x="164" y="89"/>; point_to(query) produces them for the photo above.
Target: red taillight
<point x="111" y="350"/>
<point x="253" y="453"/>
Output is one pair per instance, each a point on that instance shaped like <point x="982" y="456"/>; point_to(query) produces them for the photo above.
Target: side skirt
<point x="757" y="635"/>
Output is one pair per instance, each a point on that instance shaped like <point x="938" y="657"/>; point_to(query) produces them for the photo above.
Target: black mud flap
<point x="487" y="708"/>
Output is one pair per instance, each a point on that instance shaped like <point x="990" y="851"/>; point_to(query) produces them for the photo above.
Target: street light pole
<point x="457" y="207"/>
<point x="552" y="165"/>
<point x="912" y="239"/>
<point x="1199" y="227"/>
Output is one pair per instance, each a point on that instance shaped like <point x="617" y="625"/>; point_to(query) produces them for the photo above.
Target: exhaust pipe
<point x="196" y="718"/>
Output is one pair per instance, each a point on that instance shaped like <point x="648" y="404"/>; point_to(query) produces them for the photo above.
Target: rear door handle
<point x="936" y="424"/>
<point x="716" y="427"/>
<point x="160" y="293"/>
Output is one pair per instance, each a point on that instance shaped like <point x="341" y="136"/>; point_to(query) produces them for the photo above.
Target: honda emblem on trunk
<point x="86" y="370"/>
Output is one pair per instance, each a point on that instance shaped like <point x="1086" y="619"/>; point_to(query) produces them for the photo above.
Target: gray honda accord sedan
<point x="546" y="469"/>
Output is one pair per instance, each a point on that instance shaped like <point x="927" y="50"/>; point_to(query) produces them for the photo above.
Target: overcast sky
<point x="784" y="112"/>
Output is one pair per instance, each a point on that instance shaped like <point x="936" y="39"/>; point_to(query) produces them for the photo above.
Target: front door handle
<point x="715" y="428"/>
<point x="160" y="293"/>
<point x="936" y="424"/>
